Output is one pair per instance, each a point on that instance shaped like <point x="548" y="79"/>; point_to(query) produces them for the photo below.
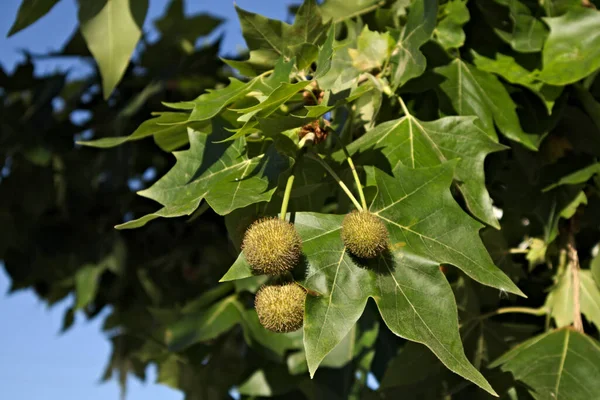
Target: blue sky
<point x="36" y="362"/>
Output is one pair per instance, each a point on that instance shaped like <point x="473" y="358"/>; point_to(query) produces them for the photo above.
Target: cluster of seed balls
<point x="273" y="247"/>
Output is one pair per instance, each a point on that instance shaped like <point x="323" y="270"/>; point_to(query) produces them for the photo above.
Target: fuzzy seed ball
<point x="364" y="234"/>
<point x="280" y="308"/>
<point x="272" y="246"/>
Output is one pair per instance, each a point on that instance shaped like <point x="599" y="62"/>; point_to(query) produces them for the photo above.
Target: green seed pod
<point x="280" y="308"/>
<point x="272" y="246"/>
<point x="364" y="234"/>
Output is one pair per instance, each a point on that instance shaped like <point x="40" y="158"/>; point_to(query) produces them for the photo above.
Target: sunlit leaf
<point x="221" y="173"/>
<point x="470" y="91"/>
<point x="111" y="29"/>
<point x="416" y="144"/>
<point x="572" y="50"/>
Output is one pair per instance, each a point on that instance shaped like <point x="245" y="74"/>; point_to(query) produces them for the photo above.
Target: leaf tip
<point x="516" y="291"/>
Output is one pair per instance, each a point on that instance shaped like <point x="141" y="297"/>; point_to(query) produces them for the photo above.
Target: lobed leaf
<point x="269" y="39"/>
<point x="427" y="228"/>
<point x="469" y="91"/>
<point x="407" y="60"/>
<point x="221" y="173"/>
<point x="561" y="364"/>
<point x="415" y="144"/>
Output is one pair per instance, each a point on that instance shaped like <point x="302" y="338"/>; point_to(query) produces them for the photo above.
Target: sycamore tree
<point x="401" y="190"/>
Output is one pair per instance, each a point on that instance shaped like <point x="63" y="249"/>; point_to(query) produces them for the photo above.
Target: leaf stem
<point x="515" y="310"/>
<point x="286" y="196"/>
<point x="363" y="201"/>
<point x="403" y="105"/>
<point x="337" y="178"/>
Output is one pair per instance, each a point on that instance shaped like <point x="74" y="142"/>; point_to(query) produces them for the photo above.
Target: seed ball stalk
<point x="280" y="308"/>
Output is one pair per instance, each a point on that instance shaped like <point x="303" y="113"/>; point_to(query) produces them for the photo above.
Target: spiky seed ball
<point x="364" y="234"/>
<point x="280" y="308"/>
<point x="272" y="246"/>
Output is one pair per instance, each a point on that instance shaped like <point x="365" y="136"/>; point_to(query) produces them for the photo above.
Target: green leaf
<point x="340" y="74"/>
<point x="571" y="208"/>
<point x="207" y="298"/>
<point x="339" y="10"/>
<point x="345" y="286"/>
<point x="508" y="68"/>
<point x="469" y="91"/>
<point x="555" y="8"/>
<point x="572" y="50"/>
<point x="276" y="98"/>
<point x="407" y="61"/>
<point x="308" y="25"/>
<point x="269" y="382"/>
<point x="204" y="325"/>
<point x="258" y="62"/>
<point x="529" y="33"/>
<point x="111" y="29"/>
<point x="414" y="365"/>
<point x="589" y="297"/>
<point x="560" y="301"/>
<point x="86" y="284"/>
<point x="453" y="15"/>
<point x="580" y="176"/>
<point x="29" y="12"/>
<point x="352" y="57"/>
<point x="417" y="144"/>
<point x="419" y="244"/>
<point x="68" y="320"/>
<point x="209" y="104"/>
<point x="278" y="39"/>
<point x="419" y="211"/>
<point x="87" y="278"/>
<point x="423" y="222"/>
<point x="325" y="54"/>
<point x="560" y="364"/>
<point x="278" y="343"/>
<point x="176" y="25"/>
<point x="351" y="347"/>
<point x="165" y="126"/>
<point x="221" y="173"/>
<point x="239" y="270"/>
<point x="169" y="372"/>
<point x="595" y="268"/>
<point x="373" y="48"/>
<point x="252" y="115"/>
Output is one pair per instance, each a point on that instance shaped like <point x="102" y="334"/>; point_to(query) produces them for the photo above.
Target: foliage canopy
<point x="469" y="129"/>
